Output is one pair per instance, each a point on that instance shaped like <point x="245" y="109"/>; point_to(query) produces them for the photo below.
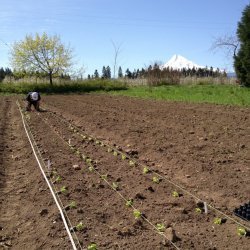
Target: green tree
<point x="42" y="53"/>
<point x="120" y="74"/>
<point x="242" y="58"/>
<point x="96" y="74"/>
<point x="108" y="72"/>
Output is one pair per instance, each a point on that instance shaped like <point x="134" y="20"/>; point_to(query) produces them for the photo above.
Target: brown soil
<point x="202" y="148"/>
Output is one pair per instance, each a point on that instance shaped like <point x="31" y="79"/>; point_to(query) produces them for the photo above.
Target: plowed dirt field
<point x="115" y="155"/>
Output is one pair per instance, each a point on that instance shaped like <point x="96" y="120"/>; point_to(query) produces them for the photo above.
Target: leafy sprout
<point x="241" y="231"/>
<point x="175" y="194"/>
<point x="104" y="176"/>
<point x="92" y="246"/>
<point x="115" y="153"/>
<point x="72" y="204"/>
<point x="156" y="180"/>
<point x="218" y="221"/>
<point x="79" y="226"/>
<point x="114" y="185"/>
<point x="131" y="163"/>
<point x="145" y="170"/>
<point x="160" y="227"/>
<point x="198" y="210"/>
<point x="91" y="168"/>
<point x="137" y="214"/>
<point x="58" y="178"/>
<point x="63" y="189"/>
<point x="129" y="203"/>
<point x="110" y="150"/>
<point x="124" y="157"/>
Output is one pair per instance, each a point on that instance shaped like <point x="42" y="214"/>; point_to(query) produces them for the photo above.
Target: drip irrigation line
<point x="46" y="179"/>
<point x="159" y="175"/>
<point x="110" y="185"/>
<point x="54" y="187"/>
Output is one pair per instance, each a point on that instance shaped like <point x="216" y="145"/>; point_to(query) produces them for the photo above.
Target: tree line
<point x="157" y="71"/>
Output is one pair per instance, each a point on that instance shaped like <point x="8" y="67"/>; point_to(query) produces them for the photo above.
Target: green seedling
<point x="145" y="170"/>
<point x="97" y="142"/>
<point x="198" y="210"/>
<point x="84" y="136"/>
<point x="156" y="180"/>
<point x="104" y="176"/>
<point x="91" y="168"/>
<point x="90" y="139"/>
<point x="129" y="203"/>
<point x="110" y="150"/>
<point x="92" y="246"/>
<point x="79" y="226"/>
<point x="88" y="160"/>
<point x="175" y="194"/>
<point x="77" y="152"/>
<point x="124" y="157"/>
<point x="102" y="144"/>
<point x="160" y="227"/>
<point x="115" y="186"/>
<point x="72" y="204"/>
<point x="131" y="163"/>
<point x="58" y="179"/>
<point x="137" y="214"/>
<point x="63" y="189"/>
<point x="218" y="221"/>
<point x="115" y="153"/>
<point x="83" y="157"/>
<point x="75" y="130"/>
<point x="71" y="128"/>
<point x="241" y="231"/>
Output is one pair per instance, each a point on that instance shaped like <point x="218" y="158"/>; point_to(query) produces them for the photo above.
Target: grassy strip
<point x="71" y="87"/>
<point x="216" y="94"/>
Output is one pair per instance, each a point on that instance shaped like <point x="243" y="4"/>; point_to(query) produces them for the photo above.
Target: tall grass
<point x="71" y="87"/>
<point x="217" y="94"/>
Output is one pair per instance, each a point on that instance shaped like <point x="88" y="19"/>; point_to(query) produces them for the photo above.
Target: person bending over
<point x="33" y="98"/>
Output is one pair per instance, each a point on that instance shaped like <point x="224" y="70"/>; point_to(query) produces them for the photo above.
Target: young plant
<point x="124" y="157"/>
<point x="97" y="142"/>
<point x="175" y="194"/>
<point x="156" y="180"/>
<point x="241" y="231"/>
<point x="160" y="227"/>
<point x="131" y="163"/>
<point x="129" y="202"/>
<point x="137" y="214"/>
<point x="110" y="150"/>
<point x="63" y="190"/>
<point x="115" y="186"/>
<point x="91" y="168"/>
<point x="145" y="170"/>
<point x="115" y="153"/>
<point x="72" y="205"/>
<point x="92" y="246"/>
<point x="84" y="137"/>
<point x="218" y="221"/>
<point x="88" y="160"/>
<point x="58" y="179"/>
<point x="198" y="210"/>
<point x="79" y="226"/>
<point x="104" y="176"/>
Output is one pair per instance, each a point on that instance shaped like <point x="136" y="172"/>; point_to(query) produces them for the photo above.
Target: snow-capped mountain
<point x="180" y="62"/>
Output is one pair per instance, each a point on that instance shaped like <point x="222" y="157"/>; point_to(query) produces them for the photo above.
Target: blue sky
<point x="145" y="30"/>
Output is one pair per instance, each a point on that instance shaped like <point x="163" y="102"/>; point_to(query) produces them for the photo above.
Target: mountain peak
<point x="180" y="62"/>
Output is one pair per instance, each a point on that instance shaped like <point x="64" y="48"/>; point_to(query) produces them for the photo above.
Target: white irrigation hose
<point x="48" y="183"/>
